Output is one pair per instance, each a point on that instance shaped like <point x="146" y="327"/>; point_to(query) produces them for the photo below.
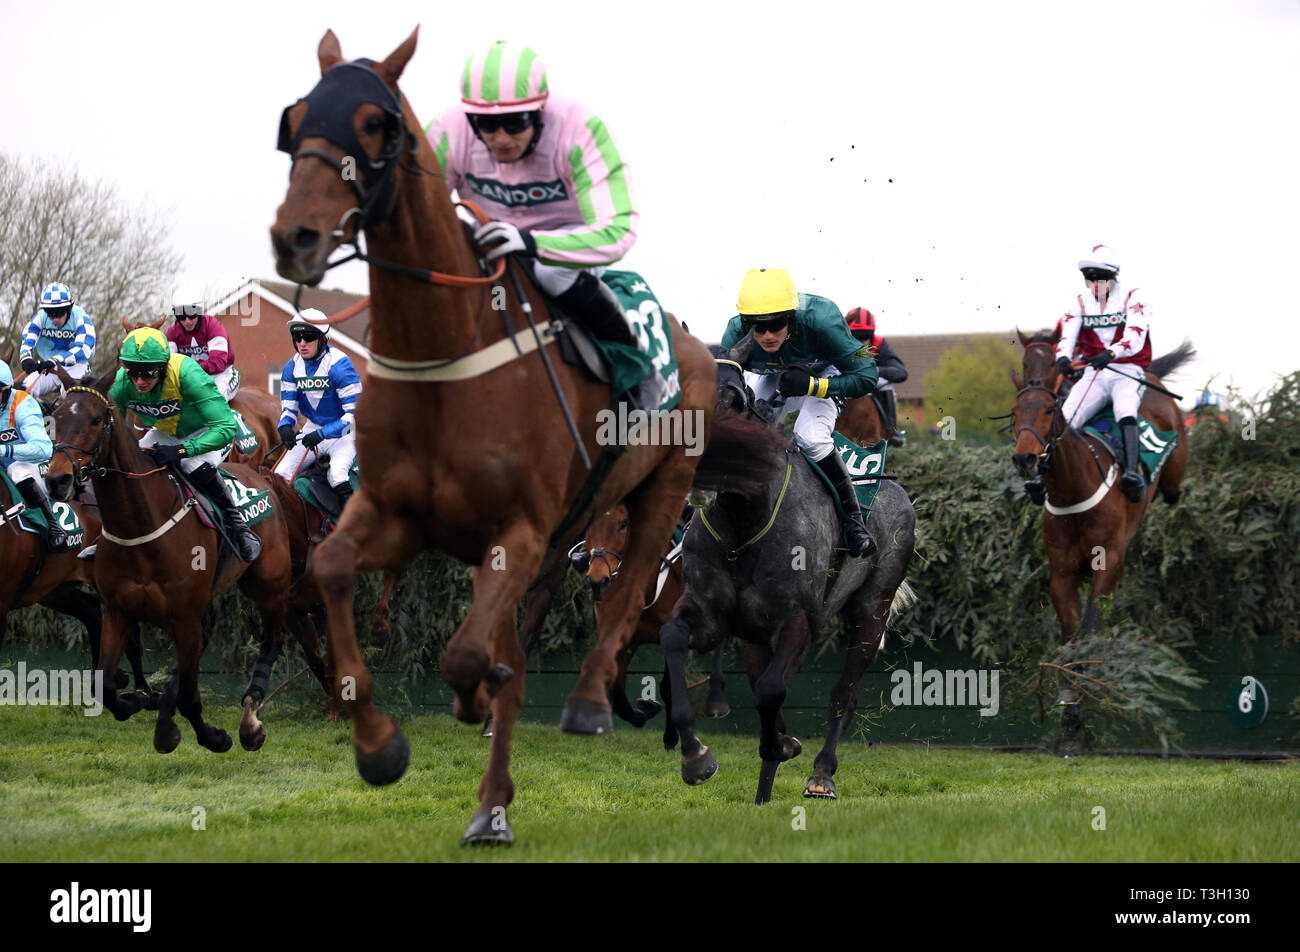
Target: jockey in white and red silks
<point x="1110" y="324"/>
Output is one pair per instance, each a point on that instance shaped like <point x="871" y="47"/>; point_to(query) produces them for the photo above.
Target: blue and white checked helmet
<point x="56" y="295"/>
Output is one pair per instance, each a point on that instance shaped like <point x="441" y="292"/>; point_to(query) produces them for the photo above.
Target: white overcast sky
<point x="944" y="164"/>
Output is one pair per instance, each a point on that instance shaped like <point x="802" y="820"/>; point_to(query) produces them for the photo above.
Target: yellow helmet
<point x="767" y="291"/>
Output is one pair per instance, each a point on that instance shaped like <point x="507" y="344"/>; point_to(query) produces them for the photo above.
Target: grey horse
<point x="764" y="567"/>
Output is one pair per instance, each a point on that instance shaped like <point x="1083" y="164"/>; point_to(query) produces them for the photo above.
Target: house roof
<point x="353" y="333"/>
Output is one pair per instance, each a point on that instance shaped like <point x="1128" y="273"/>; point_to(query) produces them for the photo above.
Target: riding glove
<point x="499" y="238"/>
<point x="287" y="436"/>
<point x="1099" y="361"/>
<point x="166" y="454"/>
<point x="47" y="365"/>
<point x="312" y="439"/>
<point x="799" y="383"/>
<point x="30" y="365"/>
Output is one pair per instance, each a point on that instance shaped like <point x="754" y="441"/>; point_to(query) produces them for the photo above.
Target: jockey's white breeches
<point x="342" y="451"/>
<point x="189" y="464"/>
<point x="1121" y="387"/>
<point x="817" y="415"/>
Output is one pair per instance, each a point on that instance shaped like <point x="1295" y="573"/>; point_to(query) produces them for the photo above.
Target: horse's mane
<point x="744" y="455"/>
<point x="1166" y="364"/>
<point x="1042" y="337"/>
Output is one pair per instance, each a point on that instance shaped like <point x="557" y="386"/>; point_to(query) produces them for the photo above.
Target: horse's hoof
<point x="386" y="764"/>
<point x="121" y="679"/>
<point x="717" y="708"/>
<point x="166" y="738"/>
<point x="1067" y="696"/>
<point x="489" y="829"/>
<point x="254" y="739"/>
<point x="487" y="727"/>
<point x="149" y="699"/>
<point x="1069" y="748"/>
<point x="819" y="787"/>
<point x="697" y="769"/>
<point x="497" y="677"/>
<point x="790" y="747"/>
<point x="646" y="709"/>
<point x="218" y="741"/>
<point x="581" y="716"/>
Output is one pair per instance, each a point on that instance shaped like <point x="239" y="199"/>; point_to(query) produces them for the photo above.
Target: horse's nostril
<point x="304" y="239"/>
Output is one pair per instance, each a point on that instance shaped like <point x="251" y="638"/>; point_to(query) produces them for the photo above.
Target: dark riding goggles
<point x="142" y="371"/>
<point x="53" y="312"/>
<point x="300" y="335"/>
<point x="1097" y="274"/>
<point x="512" y="122"/>
<point x="766" y="324"/>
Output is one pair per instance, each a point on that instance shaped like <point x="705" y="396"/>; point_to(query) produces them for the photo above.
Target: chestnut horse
<point x="601" y="557"/>
<point x="157" y="562"/>
<point x="447" y="458"/>
<point x="861" y="422"/>
<point x="1090" y="531"/>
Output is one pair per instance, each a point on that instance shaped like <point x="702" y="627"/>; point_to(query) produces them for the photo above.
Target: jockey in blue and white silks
<point x="24" y="446"/>
<point x="321" y="383"/>
<point x="60" y="334"/>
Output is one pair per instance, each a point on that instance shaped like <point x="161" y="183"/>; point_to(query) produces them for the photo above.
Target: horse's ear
<point x="329" y="53"/>
<point x="1056" y="333"/>
<point x="740" y="350"/>
<point x="1018" y="380"/>
<point x="1024" y="341"/>
<point x="391" y="68"/>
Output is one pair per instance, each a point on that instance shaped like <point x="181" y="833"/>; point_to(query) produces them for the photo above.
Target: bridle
<point x="330" y="107"/>
<point x="82" y="472"/>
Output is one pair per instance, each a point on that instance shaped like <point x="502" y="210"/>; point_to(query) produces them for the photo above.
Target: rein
<point x="735" y="553"/>
<point x="94" y="469"/>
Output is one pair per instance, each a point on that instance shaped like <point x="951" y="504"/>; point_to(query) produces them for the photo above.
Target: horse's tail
<point x="1166" y="364"/>
<point x="904" y="596"/>
<point x="744" y="455"/>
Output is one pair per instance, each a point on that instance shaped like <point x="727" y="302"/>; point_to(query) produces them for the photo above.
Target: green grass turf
<point x="74" y="788"/>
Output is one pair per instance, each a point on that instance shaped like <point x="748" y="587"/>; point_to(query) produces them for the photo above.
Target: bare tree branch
<point x="57" y="226"/>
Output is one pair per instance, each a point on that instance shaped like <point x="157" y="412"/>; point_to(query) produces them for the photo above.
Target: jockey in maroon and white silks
<point x="201" y="337"/>
<point x="1111" y="326"/>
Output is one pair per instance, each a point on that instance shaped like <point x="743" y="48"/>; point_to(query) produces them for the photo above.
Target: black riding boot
<point x="1131" y="482"/>
<point x="599" y="310"/>
<point x="57" y="540"/>
<point x="887" y="401"/>
<point x="208" y="478"/>
<point x="342" y="493"/>
<point x="856" y="538"/>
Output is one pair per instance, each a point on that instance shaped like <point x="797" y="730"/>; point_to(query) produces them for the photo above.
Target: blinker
<point x="331" y="106"/>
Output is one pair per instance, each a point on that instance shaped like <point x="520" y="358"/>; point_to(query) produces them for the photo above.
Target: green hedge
<point x="1220" y="564"/>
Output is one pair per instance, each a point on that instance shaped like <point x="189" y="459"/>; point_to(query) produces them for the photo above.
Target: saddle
<point x="314" y="487"/>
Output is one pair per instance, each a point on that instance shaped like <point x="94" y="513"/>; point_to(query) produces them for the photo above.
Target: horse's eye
<point x="96" y="421"/>
<point x="622" y="526"/>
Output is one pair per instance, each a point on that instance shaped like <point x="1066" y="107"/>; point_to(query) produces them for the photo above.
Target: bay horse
<point x="1087" y="522"/>
<point x="29" y="575"/>
<point x="762" y="566"/>
<point x="601" y="555"/>
<point x="446" y="459"/>
<point x="157" y="562"/>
